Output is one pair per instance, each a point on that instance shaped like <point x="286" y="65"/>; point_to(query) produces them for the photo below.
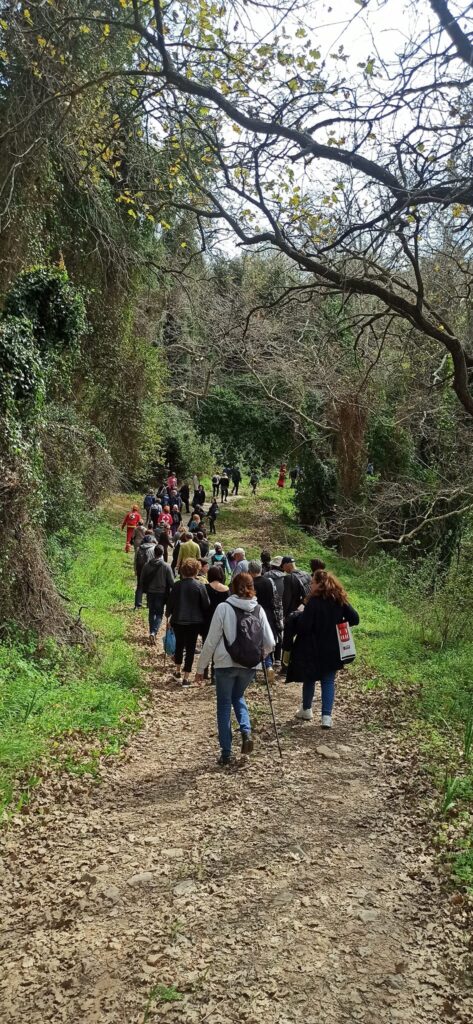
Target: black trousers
<point x="186" y="640"/>
<point x="235" y="488"/>
<point x="212" y="525"/>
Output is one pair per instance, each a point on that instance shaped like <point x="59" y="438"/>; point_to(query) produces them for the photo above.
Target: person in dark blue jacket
<point x="315" y="653"/>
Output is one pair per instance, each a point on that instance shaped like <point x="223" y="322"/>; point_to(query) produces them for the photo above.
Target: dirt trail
<point x="262" y="894"/>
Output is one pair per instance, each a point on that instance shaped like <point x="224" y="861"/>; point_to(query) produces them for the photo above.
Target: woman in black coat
<point x="315" y="653"/>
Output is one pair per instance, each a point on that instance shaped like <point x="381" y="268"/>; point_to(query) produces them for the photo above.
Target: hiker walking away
<point x="315" y="655"/>
<point x="156" y="582"/>
<point x="164" y="538"/>
<point x="217" y="592"/>
<point x="165" y="519"/>
<point x="218" y="557"/>
<point x="188" y="549"/>
<point x="130" y="521"/>
<point x="172" y="481"/>
<point x="241" y="564"/>
<point x="239" y="632"/>
<point x="224" y="485"/>
<point x="267" y="597"/>
<point x="282" y="475"/>
<point x="177" y="545"/>
<point x="277" y="577"/>
<point x="154" y="513"/>
<point x="203" y="543"/>
<point x="254" y="479"/>
<point x="236" y="479"/>
<point x="142" y="555"/>
<point x="215" y="485"/>
<point x="175" y="499"/>
<point x="185" y="493"/>
<point x="199" y="497"/>
<point x="188" y="606"/>
<point x="265" y="559"/>
<point x="212" y="515"/>
<point x="138" y="534"/>
<point x="294" y="475"/>
<point x="296" y="585"/>
<point x="149" y="499"/>
<point x="176" y="519"/>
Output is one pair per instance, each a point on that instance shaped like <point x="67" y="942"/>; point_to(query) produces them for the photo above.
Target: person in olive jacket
<point x="188" y="606"/>
<point x="315" y="654"/>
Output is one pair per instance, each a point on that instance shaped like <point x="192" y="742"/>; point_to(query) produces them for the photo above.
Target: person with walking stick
<point x="239" y="636"/>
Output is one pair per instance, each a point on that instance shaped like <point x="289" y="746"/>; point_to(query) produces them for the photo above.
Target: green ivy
<point x="20" y="367"/>
<point x="56" y="310"/>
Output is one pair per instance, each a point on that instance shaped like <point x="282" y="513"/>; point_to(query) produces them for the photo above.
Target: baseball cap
<point x="275" y="562"/>
<point x="287" y="560"/>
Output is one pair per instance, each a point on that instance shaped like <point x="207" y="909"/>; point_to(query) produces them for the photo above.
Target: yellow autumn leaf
<point x="27" y="15"/>
<point x="84" y="29"/>
<point x="106" y="30"/>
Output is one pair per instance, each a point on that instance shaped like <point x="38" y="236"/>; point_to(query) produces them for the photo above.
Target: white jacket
<point x="225" y="620"/>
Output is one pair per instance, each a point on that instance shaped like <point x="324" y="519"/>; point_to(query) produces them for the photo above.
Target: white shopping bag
<point x="346" y="642"/>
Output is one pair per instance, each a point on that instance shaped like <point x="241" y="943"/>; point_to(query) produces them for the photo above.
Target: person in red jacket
<point x="131" y="521"/>
<point x="165" y="519"/>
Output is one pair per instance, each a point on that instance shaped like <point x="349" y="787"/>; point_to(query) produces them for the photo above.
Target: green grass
<point x="49" y="692"/>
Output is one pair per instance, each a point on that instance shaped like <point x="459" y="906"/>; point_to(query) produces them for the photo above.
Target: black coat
<point x="188" y="603"/>
<point x="315" y="651"/>
<point x="266" y="596"/>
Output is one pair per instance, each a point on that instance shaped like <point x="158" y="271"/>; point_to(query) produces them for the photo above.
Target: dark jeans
<point x="186" y="640"/>
<point x="155" y="612"/>
<point x="215" y="488"/>
<point x="212" y="525"/>
<point x="327" y="684"/>
<point x="224" y="493"/>
<point x="235" y="488"/>
<point x="138" y="596"/>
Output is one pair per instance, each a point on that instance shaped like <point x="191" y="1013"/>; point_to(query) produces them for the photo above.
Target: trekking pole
<point x="164" y="645"/>
<point x="265" y="673"/>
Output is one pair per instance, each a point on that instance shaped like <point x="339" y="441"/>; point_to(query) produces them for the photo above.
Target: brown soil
<point x="275" y="893"/>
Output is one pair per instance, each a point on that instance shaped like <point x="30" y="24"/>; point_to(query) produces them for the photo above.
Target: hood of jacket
<point x="245" y="603"/>
<point x="148" y="542"/>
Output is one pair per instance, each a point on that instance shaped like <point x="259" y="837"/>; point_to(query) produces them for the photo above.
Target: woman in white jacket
<point x="232" y="679"/>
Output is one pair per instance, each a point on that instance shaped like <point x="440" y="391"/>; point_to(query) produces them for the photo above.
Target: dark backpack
<point x="305" y="580"/>
<point x="247" y="647"/>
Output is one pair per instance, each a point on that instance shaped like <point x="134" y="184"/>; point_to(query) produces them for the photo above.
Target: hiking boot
<point x="177" y="674"/>
<point x="186" y="680"/>
<point x="152" y="639"/>
<point x="326" y="721"/>
<point x="224" y="760"/>
<point x="246" y="743"/>
<point x="305" y="714"/>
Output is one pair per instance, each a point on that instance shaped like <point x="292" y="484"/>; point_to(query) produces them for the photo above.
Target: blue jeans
<point x="155" y="612"/>
<point x="327" y="683"/>
<point x="138" y="597"/>
<point x="230" y="684"/>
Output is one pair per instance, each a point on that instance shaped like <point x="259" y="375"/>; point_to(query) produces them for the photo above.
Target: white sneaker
<point x="326" y="721"/>
<point x="305" y="714"/>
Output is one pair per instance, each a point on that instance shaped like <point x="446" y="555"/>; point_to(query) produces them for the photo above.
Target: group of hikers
<point x="261" y="613"/>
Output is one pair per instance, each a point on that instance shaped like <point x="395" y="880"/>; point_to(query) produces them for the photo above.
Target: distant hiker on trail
<point x="212" y="515"/>
<point x="215" y="484"/>
<point x="194" y="522"/>
<point x="188" y="606"/>
<point x="142" y="556"/>
<point x="149" y="499"/>
<point x="199" y="497"/>
<point x="195" y="481"/>
<point x="138" y="534"/>
<point x="165" y="519"/>
<point x="236" y="479"/>
<point x="202" y="542"/>
<point x="176" y="519"/>
<point x="218" y="557"/>
<point x="282" y="474"/>
<point x="154" y="513"/>
<point x="217" y="592"/>
<point x="185" y="493"/>
<point x="224" y="485"/>
<point x="164" y="538"/>
<point x="172" y="481"/>
<point x="265" y="558"/>
<point x="156" y="582"/>
<point x="267" y="597"/>
<point x="130" y="521"/>
<point x="175" y="499"/>
<point x="315" y="655"/>
<point x="254" y="479"/>
<point x="188" y="549"/>
<point x="229" y="638"/>
<point x="241" y="564"/>
<point x="296" y="585"/>
<point x="294" y="475"/>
